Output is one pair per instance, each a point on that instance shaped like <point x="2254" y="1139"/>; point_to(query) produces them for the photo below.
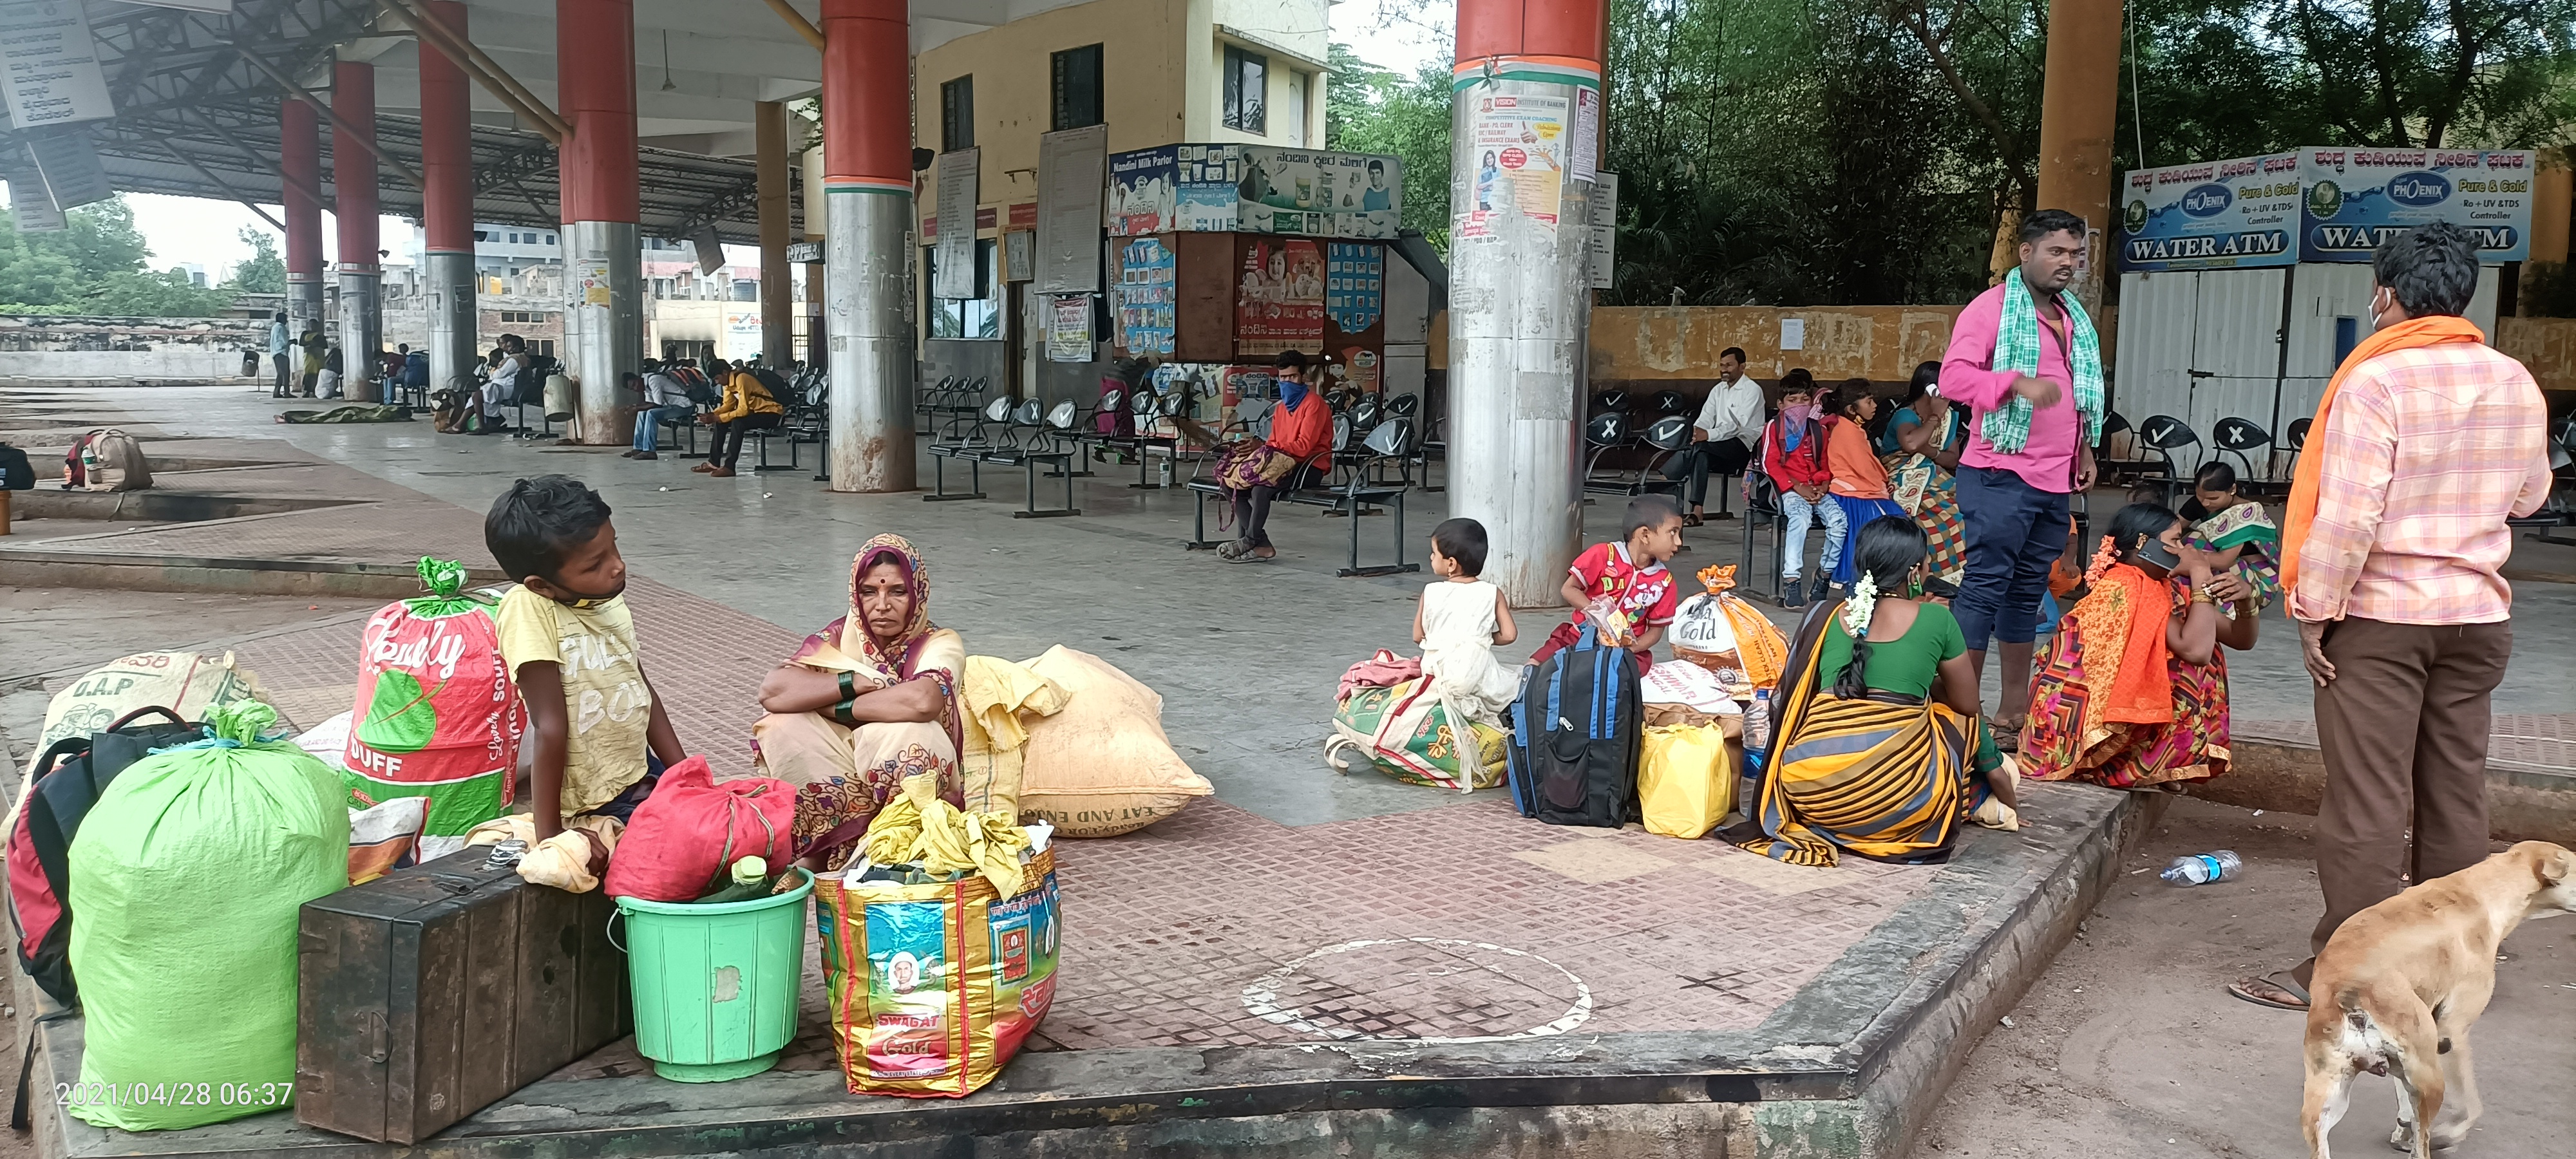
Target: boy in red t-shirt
<point x="1625" y="584"/>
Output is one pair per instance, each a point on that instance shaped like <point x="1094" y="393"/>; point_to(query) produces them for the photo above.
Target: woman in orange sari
<point x="2132" y="692"/>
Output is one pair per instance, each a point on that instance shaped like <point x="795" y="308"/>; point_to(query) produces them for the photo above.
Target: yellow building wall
<point x="2545" y="345"/>
<point x="1143" y="96"/>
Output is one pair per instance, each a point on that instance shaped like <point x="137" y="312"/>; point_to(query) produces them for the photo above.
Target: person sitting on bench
<point x="746" y="407"/>
<point x="1301" y="427"/>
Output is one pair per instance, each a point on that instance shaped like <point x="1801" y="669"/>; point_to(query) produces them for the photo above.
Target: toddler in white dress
<point x="1458" y="622"/>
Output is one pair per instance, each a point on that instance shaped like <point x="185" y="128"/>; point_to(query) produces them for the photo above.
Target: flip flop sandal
<point x="1694" y="521"/>
<point x="2278" y="980"/>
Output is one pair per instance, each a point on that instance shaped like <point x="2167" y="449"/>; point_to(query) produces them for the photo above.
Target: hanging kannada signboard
<point x="1279" y="297"/>
<point x="50" y="65"/>
<point x="953" y="270"/>
<point x="1147" y="304"/>
<point x="1318" y="194"/>
<point x="2212" y="215"/>
<point x="2356" y="198"/>
<point x="1069" y="206"/>
<point x="1518" y="162"/>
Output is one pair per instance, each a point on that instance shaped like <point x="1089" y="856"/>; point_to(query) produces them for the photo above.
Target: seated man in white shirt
<point x="1723" y="437"/>
<point x="502" y="388"/>
<point x="664" y="398"/>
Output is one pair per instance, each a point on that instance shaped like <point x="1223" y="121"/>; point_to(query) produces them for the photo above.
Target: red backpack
<point x="69" y="779"/>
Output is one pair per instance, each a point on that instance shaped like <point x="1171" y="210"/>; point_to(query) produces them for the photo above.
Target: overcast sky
<point x="207" y="232"/>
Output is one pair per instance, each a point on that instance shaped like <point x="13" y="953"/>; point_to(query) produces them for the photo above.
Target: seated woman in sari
<point x="1878" y="750"/>
<point x="1922" y="477"/>
<point x="2132" y="692"/>
<point x="864" y="704"/>
<point x="2234" y="531"/>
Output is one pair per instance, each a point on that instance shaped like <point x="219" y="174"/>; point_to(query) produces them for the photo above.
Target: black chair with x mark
<point x="2241" y="438"/>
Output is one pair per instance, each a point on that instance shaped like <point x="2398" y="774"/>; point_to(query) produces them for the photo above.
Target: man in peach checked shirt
<point x="2426" y="441"/>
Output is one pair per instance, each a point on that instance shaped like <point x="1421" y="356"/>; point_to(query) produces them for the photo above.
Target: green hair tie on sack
<point x="236" y="724"/>
<point x="445" y="579"/>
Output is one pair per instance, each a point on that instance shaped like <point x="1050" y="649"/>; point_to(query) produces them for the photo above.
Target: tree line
<point x="99" y="264"/>
<point x="1847" y="152"/>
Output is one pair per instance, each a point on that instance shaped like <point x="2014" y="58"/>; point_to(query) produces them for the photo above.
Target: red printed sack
<point x="685" y="835"/>
<point x="437" y="714"/>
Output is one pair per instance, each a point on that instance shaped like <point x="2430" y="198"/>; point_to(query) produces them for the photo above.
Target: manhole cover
<point x="1431" y="990"/>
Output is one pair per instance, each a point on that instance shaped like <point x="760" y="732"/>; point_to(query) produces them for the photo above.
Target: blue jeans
<point x="2015" y="531"/>
<point x="1793" y="551"/>
<point x="648" y="426"/>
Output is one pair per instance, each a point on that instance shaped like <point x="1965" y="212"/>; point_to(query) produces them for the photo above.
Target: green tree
<point x="264" y="272"/>
<point x="1373" y="110"/>
<point x="95" y="265"/>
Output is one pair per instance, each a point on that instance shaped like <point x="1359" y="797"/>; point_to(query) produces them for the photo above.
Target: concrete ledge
<point x="258" y="577"/>
<point x="2524" y="802"/>
<point x="1849" y="1069"/>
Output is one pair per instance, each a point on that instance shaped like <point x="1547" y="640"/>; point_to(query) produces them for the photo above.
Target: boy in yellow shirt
<point x="602" y="738"/>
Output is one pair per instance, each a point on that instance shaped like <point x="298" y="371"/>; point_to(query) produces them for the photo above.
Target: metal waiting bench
<point x="1365" y="486"/>
<point x="1018" y="444"/>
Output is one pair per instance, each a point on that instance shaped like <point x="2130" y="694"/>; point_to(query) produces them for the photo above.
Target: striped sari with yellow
<point x="1879" y="779"/>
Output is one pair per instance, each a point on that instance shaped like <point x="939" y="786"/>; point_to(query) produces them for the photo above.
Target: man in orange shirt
<point x="2426" y="441"/>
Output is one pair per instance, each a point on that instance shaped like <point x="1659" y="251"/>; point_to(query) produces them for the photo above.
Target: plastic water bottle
<point x="2203" y="868"/>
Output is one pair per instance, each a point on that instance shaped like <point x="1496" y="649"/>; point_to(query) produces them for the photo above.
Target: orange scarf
<point x="2141" y="683"/>
<point x="2431" y="330"/>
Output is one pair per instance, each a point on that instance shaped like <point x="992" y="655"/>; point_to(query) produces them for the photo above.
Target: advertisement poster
<point x="1354" y="285"/>
<point x="953" y="253"/>
<point x="1142" y="189"/>
<point x="1279" y="300"/>
<point x="50" y="65"/>
<point x="1068" y="328"/>
<point x="742" y="331"/>
<point x="1319" y="194"/>
<point x="1587" y="134"/>
<point x="1206" y="180"/>
<point x="594" y="283"/>
<point x="1146" y="299"/>
<point x="1069" y="199"/>
<point x="1519" y="144"/>
<point x="2216" y="215"/>
<point x="1365" y="371"/>
<point x="1605" y="229"/>
<point x="2355" y="198"/>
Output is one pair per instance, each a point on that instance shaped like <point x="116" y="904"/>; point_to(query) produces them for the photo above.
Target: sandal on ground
<point x="2277" y="990"/>
<point x="1235" y="552"/>
<point x="2008" y="739"/>
<point x="1694" y="521"/>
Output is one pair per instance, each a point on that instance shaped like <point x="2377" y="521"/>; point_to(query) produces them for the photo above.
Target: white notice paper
<point x="1793" y="333"/>
<point x="953" y="255"/>
<point x="1605" y="228"/>
<point x="1072" y="170"/>
<point x="50" y="64"/>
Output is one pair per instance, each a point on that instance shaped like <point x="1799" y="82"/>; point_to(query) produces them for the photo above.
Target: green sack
<point x="189" y="872"/>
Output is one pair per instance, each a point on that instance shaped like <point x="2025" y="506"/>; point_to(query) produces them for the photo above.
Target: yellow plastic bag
<point x="1685" y="784"/>
<point x="934" y="987"/>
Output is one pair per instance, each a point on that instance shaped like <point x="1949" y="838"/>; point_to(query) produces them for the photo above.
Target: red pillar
<point x="595" y="51"/>
<point x="603" y="243"/>
<point x="1533" y="29"/>
<point x="353" y="182"/>
<point x="353" y="168"/>
<point x="867" y="201"/>
<point x="447" y="205"/>
<point x="299" y="157"/>
<point x="867" y="94"/>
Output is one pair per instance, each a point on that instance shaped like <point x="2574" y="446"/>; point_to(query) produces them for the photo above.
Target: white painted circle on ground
<point x="1263" y="997"/>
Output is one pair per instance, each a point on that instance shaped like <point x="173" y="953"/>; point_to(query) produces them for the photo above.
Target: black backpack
<point x="771" y="381"/>
<point x="69" y="779"/>
<point x="694" y="383"/>
<point x="1575" y="730"/>
<point x="17" y="472"/>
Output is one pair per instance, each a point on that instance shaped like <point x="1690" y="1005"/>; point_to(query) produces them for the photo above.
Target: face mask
<point x="1799" y="414"/>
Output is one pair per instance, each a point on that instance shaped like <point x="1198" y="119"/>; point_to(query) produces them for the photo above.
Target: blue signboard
<point x="2357" y="198"/>
<point x="1354" y="285"/>
<point x="2215" y="215"/>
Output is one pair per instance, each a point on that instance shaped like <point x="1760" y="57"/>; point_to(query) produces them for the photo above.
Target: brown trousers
<point x="2404" y="727"/>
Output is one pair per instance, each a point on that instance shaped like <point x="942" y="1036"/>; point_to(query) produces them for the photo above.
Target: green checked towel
<point x="2007" y="428"/>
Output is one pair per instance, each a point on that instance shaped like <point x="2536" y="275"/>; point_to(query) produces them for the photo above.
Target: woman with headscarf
<point x="863" y="705"/>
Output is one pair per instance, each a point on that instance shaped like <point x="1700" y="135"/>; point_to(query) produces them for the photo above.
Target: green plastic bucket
<point x="716" y="986"/>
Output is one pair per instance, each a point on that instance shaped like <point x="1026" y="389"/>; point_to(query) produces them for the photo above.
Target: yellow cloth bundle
<point x="561" y="861"/>
<point x="996" y="693"/>
<point x="917" y="828"/>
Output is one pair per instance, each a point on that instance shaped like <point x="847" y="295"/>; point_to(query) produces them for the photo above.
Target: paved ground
<point x="2129" y="1048"/>
<point x="730" y="571"/>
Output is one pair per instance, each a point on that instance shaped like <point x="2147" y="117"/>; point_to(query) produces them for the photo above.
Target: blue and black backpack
<point x="1575" y="730"/>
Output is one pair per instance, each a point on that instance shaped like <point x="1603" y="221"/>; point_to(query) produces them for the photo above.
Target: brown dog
<point x="2399" y="984"/>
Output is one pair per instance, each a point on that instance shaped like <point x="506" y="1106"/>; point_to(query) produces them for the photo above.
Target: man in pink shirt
<point x="2024" y="361"/>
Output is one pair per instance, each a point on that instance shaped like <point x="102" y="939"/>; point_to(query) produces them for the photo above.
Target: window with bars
<point x="957" y="114"/>
<point x="1077" y="88"/>
<point x="1247" y="81"/>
